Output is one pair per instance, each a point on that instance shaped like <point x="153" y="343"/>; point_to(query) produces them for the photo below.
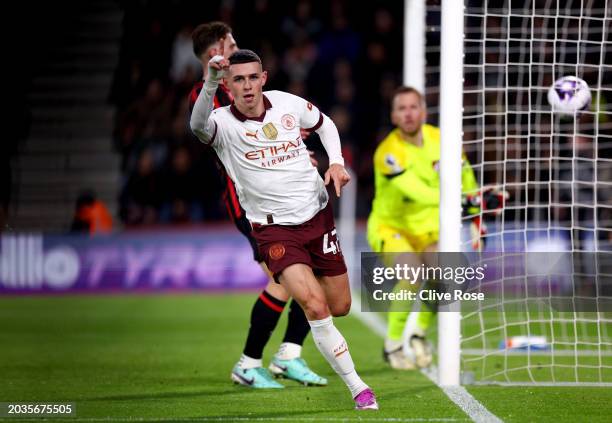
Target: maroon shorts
<point x="314" y="243"/>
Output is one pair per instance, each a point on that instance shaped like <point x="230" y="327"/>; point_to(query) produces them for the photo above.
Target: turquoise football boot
<point x="256" y="377"/>
<point x="296" y="369"/>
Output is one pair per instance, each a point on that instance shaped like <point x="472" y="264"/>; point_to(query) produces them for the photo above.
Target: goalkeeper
<point x="405" y="211"/>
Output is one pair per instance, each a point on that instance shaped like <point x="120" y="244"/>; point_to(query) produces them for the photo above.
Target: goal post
<point x="414" y="44"/>
<point x="451" y="81"/>
<point x="451" y="106"/>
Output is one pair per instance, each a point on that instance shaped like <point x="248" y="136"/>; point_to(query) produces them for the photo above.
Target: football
<point x="569" y="94"/>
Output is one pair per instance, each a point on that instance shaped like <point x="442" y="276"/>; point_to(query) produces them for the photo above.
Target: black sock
<point x="297" y="326"/>
<point x="264" y="317"/>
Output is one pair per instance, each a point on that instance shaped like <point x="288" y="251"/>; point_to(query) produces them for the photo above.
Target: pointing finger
<point x="337" y="185"/>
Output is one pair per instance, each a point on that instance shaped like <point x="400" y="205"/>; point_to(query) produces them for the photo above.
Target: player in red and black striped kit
<point x="210" y="39"/>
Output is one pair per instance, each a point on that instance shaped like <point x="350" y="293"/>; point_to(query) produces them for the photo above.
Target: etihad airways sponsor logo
<point x="280" y="159"/>
<point x="274" y="150"/>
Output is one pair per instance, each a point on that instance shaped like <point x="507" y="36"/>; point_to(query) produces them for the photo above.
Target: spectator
<point x="91" y="215"/>
<point x="141" y="197"/>
<point x="183" y="60"/>
<point x="182" y="186"/>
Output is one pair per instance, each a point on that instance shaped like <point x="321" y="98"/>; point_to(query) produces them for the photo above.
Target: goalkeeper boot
<point x="421" y="349"/>
<point x="366" y="400"/>
<point x="397" y="359"/>
<point x="256" y="377"/>
<point x="296" y="369"/>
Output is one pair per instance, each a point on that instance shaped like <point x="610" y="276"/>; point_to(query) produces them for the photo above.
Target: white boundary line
<point x="457" y="394"/>
<point x="460" y="396"/>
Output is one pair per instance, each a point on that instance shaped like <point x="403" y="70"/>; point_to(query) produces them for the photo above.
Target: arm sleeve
<point x="309" y="115"/>
<point x="415" y="189"/>
<point x="201" y="124"/>
<point x="402" y="177"/>
<point x="330" y="140"/>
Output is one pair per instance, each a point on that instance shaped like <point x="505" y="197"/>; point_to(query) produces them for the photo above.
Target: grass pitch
<point x="168" y="358"/>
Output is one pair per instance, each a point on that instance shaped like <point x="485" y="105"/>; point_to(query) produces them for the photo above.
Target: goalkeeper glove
<point x="488" y="198"/>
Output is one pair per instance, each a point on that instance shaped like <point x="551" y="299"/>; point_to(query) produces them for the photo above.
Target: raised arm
<point x="203" y="127"/>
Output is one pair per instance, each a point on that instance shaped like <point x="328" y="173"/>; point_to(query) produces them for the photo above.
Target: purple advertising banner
<point x="199" y="260"/>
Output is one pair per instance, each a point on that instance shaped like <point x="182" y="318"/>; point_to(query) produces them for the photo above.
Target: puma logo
<point x="252" y="134"/>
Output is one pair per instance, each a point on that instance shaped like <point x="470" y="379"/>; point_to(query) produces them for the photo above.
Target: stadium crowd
<point x="315" y="50"/>
<point x="348" y="62"/>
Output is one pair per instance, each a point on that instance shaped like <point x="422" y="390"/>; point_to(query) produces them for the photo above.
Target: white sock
<point x="334" y="348"/>
<point x="288" y="351"/>
<point x="247" y="362"/>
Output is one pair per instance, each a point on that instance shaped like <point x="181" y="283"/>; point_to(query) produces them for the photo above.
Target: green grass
<point x="169" y="357"/>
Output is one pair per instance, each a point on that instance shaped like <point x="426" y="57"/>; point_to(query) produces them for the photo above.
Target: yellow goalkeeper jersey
<point x="407" y="183"/>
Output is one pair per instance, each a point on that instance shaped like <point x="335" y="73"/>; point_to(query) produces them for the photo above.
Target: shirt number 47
<point x="331" y="245"/>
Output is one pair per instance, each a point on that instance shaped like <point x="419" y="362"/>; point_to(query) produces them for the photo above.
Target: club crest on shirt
<point x="277" y="251"/>
<point x="270" y="131"/>
<point x="288" y="121"/>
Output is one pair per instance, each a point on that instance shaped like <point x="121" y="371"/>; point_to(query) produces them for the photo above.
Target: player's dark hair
<point x="408" y="90"/>
<point x="207" y="34"/>
<point x="243" y="56"/>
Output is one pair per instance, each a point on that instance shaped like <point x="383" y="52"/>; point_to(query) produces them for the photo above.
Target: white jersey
<point x="268" y="161"/>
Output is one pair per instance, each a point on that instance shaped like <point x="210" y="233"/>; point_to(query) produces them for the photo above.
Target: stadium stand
<point x="69" y="145"/>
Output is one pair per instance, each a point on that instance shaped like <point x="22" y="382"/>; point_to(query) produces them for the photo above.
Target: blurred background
<point x="98" y="138"/>
<point x="102" y="101"/>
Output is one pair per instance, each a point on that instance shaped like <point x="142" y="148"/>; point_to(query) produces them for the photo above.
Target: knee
<point x="341" y="308"/>
<point x="315" y="309"/>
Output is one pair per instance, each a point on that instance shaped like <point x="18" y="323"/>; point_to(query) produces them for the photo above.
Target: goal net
<point x="557" y="171"/>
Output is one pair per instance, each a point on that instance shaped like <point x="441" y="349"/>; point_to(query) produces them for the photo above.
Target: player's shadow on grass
<point x="159" y="395"/>
<point x="407" y="392"/>
<point x="232" y="390"/>
<point x="384" y="370"/>
<point x="289" y="415"/>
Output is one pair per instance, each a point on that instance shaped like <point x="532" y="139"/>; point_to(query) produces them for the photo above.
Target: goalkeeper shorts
<point x="386" y="239"/>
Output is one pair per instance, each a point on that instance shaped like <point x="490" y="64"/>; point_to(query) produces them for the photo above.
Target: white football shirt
<point x="268" y="161"/>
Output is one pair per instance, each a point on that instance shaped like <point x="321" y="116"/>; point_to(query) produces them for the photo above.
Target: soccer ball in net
<point x="569" y="94"/>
